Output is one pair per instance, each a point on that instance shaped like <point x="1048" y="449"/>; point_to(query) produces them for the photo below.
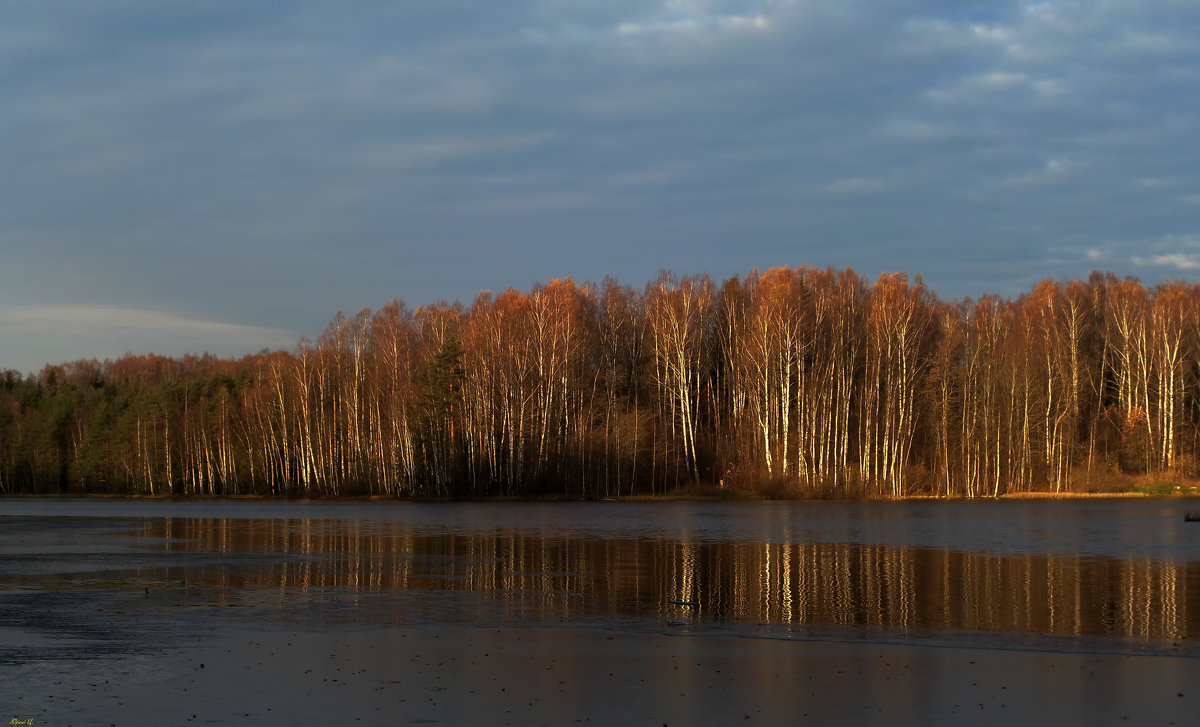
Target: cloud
<point x="999" y="79"/>
<point x="986" y="87"/>
<point x="36" y="334"/>
<point x="1054" y="170"/>
<point x="693" y="25"/>
<point x="692" y="18"/>
<point x="922" y="131"/>
<point x="999" y="34"/>
<point x="531" y="203"/>
<point x="620" y="27"/>
<point x="417" y="84"/>
<point x="1179" y="261"/>
<point x="857" y="185"/>
<point x="277" y="162"/>
<point x="435" y="151"/>
<point x="653" y="176"/>
<point x="1178" y="252"/>
<point x="935" y="35"/>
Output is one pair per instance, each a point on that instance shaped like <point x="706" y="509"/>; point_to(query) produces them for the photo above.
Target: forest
<point x="794" y="382"/>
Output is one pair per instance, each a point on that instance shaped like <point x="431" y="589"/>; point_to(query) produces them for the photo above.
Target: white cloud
<point x="692" y="25"/>
<point x="1053" y="171"/>
<point x="1171" y="251"/>
<point x="1179" y="261"/>
<point x="666" y="21"/>
<point x="983" y="86"/>
<point x="1049" y="89"/>
<point x="84" y="318"/>
<point x="38" y="334"/>
<point x="941" y="35"/>
<point x="1000" y="79"/>
<point x="991" y="33"/>
<point x="1056" y="167"/>
<point x="695" y="18"/>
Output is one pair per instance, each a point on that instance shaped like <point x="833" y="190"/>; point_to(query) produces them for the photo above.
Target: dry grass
<point x="1069" y="495"/>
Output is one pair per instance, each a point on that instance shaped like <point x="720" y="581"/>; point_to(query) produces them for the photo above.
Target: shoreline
<point x="682" y="497"/>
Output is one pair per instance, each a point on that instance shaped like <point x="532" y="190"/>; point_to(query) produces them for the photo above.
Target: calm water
<point x="80" y="579"/>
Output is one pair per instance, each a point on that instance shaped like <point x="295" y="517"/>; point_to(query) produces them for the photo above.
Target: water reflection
<point x="552" y="575"/>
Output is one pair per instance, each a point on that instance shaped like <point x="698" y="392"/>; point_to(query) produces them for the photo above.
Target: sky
<point x="223" y="177"/>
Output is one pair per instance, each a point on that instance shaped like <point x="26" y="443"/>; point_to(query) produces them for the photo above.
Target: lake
<point x="1089" y="575"/>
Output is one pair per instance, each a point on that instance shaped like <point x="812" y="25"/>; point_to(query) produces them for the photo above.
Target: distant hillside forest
<point x="793" y="382"/>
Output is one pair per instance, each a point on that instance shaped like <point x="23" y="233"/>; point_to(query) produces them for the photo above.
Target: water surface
<point x="86" y="578"/>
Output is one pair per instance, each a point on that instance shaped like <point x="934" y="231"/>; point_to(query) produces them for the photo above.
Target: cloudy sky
<point x="225" y="176"/>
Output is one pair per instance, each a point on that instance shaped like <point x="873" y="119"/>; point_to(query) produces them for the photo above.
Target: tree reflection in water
<point x="788" y="586"/>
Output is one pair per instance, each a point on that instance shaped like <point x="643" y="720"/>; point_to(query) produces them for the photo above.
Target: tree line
<point x="793" y="382"/>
